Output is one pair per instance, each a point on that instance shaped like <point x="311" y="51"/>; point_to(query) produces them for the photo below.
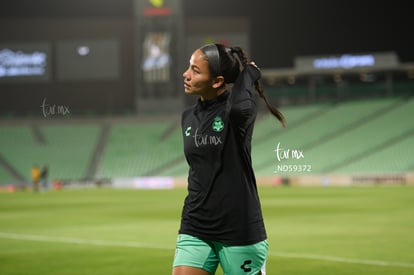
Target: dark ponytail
<point x="258" y="86"/>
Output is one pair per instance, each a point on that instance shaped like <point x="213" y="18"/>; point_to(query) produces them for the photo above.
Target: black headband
<point x="213" y="56"/>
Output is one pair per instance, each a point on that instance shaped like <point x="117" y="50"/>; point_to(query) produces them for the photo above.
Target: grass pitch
<point x="316" y="230"/>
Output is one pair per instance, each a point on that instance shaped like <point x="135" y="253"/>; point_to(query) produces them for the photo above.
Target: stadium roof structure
<point x="346" y="64"/>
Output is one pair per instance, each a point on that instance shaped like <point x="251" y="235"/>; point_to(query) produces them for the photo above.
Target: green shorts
<point x="234" y="260"/>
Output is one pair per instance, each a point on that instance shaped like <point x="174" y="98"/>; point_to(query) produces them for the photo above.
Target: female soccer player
<point x="221" y="221"/>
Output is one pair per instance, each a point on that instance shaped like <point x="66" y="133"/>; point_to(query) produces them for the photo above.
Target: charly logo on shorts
<point x="245" y="267"/>
<point x="218" y="124"/>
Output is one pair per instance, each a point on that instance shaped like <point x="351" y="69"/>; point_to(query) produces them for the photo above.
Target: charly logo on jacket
<point x="187" y="131"/>
<point x="218" y="124"/>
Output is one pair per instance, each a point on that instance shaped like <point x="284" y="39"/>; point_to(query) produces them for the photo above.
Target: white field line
<point x="80" y="241"/>
<point x="40" y="238"/>
<point x="340" y="259"/>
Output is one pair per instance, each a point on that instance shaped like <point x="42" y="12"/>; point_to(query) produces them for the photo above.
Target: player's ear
<point x="218" y="81"/>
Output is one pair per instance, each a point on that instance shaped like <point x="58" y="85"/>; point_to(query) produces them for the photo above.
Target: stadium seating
<point x="332" y="135"/>
<point x="66" y="149"/>
<point x="349" y="137"/>
<point x="140" y="149"/>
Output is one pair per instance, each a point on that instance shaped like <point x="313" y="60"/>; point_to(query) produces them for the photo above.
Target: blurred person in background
<point x="221" y="221"/>
<point x="35" y="177"/>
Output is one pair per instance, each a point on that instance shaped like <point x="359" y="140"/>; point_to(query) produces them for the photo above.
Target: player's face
<point x="197" y="78"/>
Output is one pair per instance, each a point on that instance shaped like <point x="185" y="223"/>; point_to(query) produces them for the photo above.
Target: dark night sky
<point x="280" y="29"/>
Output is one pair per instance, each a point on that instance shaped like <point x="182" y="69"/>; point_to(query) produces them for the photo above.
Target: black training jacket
<point x="222" y="202"/>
